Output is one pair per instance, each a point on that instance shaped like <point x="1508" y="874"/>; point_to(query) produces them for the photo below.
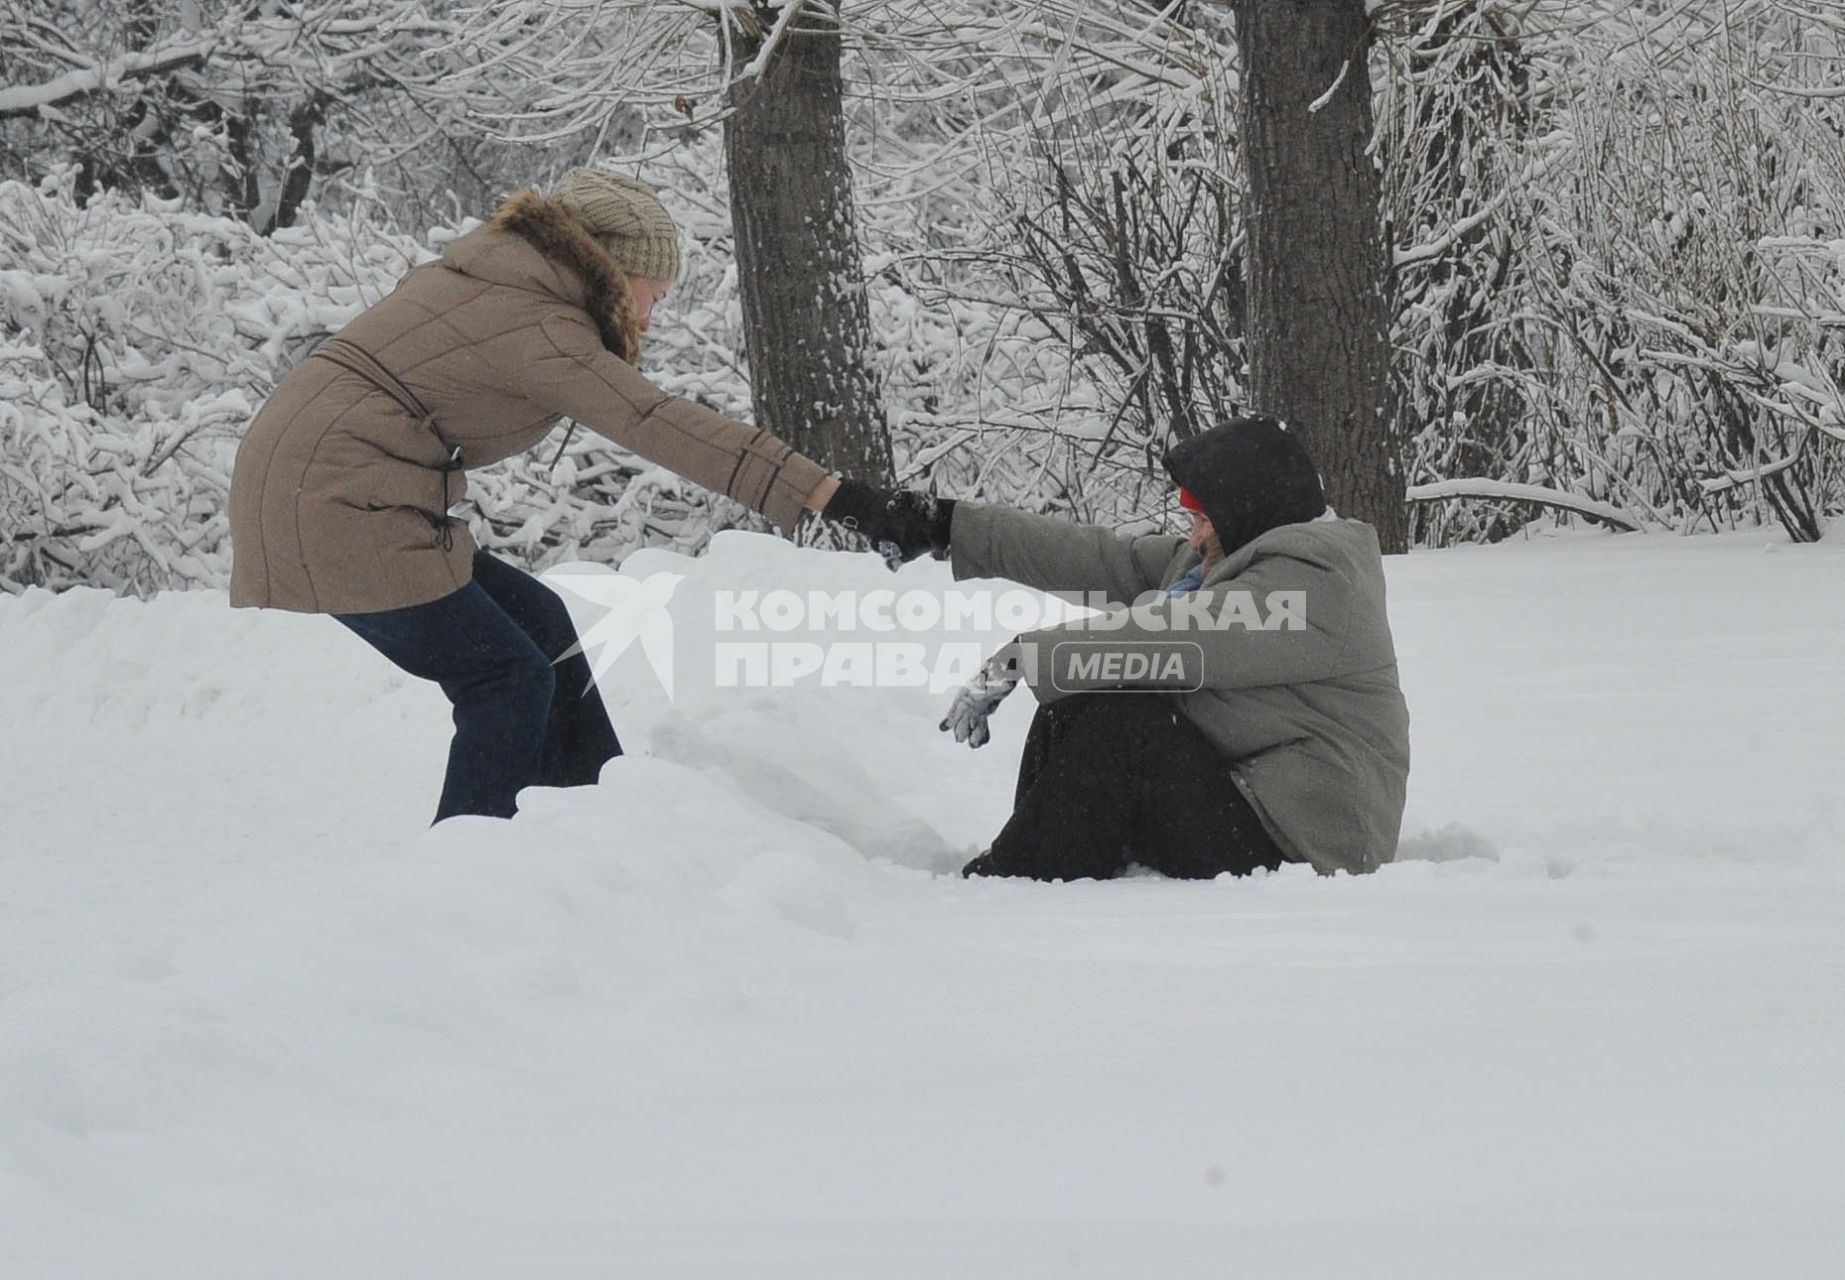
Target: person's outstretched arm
<point x="1056" y="555"/>
<point x="568" y="371"/>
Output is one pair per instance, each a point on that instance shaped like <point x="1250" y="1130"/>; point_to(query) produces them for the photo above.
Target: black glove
<point x="900" y="523"/>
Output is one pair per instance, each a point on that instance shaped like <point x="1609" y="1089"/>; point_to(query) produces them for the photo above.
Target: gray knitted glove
<point x="975" y="701"/>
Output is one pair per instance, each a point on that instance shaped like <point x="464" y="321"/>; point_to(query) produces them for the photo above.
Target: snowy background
<point x="718" y="1016"/>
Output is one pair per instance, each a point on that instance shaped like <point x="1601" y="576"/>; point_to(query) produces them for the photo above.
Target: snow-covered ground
<point x="721" y="1016"/>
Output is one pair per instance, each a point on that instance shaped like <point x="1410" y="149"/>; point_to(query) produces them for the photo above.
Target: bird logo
<point x="632" y="609"/>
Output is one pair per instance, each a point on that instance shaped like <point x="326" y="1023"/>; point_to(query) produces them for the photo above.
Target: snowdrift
<point x="723" y="1014"/>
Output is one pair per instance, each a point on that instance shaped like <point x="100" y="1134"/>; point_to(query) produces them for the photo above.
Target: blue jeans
<point x="522" y="717"/>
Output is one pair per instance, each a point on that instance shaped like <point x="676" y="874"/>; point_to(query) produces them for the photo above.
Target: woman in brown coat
<point x="341" y="494"/>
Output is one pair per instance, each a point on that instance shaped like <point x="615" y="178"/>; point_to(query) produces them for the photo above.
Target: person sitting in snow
<point x="1280" y="736"/>
<point x="341" y="492"/>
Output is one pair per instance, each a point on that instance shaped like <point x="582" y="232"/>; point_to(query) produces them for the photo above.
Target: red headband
<point x="1188" y="502"/>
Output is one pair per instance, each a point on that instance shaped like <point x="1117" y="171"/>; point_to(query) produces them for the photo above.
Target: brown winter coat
<point x="342" y="487"/>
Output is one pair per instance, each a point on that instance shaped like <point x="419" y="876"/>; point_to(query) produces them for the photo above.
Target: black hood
<point x="1250" y="475"/>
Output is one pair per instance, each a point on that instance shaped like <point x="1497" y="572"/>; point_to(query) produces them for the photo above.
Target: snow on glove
<point x="901" y="524"/>
<point x="975" y="701"/>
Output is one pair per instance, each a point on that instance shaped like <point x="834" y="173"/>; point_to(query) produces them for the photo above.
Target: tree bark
<point x="299" y="175"/>
<point x="806" y="320"/>
<point x="1318" y="279"/>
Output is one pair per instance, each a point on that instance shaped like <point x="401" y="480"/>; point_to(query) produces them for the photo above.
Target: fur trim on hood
<point x="551" y="229"/>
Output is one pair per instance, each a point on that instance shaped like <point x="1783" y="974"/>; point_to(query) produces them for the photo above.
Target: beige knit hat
<point x="627" y="217"/>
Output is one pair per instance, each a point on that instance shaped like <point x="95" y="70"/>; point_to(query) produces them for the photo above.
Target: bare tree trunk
<point x="805" y="316"/>
<point x="302" y="121"/>
<point x="1318" y="266"/>
<point x="242" y="178"/>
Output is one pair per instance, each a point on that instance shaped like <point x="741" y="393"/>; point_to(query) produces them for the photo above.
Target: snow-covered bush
<point x="1622" y="261"/>
<point x="136" y="339"/>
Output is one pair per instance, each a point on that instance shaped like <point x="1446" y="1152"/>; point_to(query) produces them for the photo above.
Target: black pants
<point x="522" y="717"/>
<point x="1113" y="779"/>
